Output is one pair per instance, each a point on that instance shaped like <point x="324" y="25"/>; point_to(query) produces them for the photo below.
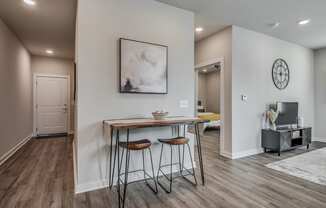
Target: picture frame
<point x="143" y="67"/>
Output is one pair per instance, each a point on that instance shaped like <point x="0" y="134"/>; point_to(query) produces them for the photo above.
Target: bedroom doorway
<point x="209" y="99"/>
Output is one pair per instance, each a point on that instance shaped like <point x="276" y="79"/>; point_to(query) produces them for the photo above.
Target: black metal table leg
<point x="118" y="152"/>
<point x="200" y="156"/>
<point x="126" y="172"/>
<point x="115" y="156"/>
<point x="110" y="168"/>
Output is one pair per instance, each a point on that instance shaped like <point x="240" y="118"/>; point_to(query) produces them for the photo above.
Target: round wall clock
<point x="281" y="74"/>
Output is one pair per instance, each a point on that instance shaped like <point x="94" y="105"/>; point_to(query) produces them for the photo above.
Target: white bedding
<point x="211" y="124"/>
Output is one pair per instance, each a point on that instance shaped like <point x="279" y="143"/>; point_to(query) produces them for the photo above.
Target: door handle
<point x="65" y="109"/>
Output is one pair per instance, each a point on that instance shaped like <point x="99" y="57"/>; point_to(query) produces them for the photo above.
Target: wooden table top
<point x="150" y="122"/>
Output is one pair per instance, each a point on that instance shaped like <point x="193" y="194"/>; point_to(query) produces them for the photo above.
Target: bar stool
<point x="139" y="145"/>
<point x="178" y="141"/>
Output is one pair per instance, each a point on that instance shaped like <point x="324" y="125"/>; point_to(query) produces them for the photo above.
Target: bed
<point x="213" y="120"/>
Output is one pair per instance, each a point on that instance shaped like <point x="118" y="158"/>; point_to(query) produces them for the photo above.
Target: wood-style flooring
<point x="40" y="175"/>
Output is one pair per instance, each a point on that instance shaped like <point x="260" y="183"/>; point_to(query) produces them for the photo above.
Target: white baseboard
<point x="226" y="154"/>
<point x="86" y="187"/>
<point x="74" y="164"/>
<point x="319" y="139"/>
<point x="238" y="155"/>
<point x="12" y="151"/>
<point x="100" y="184"/>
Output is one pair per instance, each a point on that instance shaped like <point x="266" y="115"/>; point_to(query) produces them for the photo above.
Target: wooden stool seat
<point x="175" y="141"/>
<point x="136" y="145"/>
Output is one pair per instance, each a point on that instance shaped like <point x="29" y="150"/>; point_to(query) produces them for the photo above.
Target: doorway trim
<point x="35" y="76"/>
<point x="220" y="62"/>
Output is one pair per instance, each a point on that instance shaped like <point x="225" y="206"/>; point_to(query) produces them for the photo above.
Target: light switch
<point x="183" y="104"/>
<point x="244" y="98"/>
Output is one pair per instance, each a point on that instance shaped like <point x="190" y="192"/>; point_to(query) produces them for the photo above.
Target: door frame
<point x="220" y="62"/>
<point x="35" y="76"/>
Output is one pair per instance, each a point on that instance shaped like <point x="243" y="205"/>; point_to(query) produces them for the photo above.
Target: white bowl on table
<point x="159" y="115"/>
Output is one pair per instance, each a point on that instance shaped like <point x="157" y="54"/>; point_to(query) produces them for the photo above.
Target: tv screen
<point x="288" y="113"/>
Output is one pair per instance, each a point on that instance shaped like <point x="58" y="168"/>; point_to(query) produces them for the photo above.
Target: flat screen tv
<point x="288" y="113"/>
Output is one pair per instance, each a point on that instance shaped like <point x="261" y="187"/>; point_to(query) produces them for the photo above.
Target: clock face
<point x="281" y="74"/>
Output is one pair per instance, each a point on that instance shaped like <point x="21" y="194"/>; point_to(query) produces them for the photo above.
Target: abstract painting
<point x="143" y="67"/>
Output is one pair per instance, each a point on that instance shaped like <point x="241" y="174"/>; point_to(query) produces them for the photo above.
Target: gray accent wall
<point x="320" y="94"/>
<point x="253" y="56"/>
<point x="202" y="89"/>
<point x="209" y="90"/>
<point x="16" y="120"/>
<point x="213" y="92"/>
<point x="100" y="24"/>
<point x="248" y="58"/>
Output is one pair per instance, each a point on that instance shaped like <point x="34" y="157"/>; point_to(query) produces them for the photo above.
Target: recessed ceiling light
<point x="30" y="2"/>
<point x="204" y="70"/>
<point x="49" y="51"/>
<point x="199" y="29"/>
<point x="304" y="22"/>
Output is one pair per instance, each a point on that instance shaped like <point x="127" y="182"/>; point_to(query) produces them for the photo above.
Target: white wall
<point x="320" y="94"/>
<point x="253" y="55"/>
<point x="100" y="24"/>
<point x="15" y="91"/>
<point x="216" y="46"/>
<point x="57" y="66"/>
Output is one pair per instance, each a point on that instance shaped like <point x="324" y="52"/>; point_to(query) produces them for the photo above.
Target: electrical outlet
<point x="183" y="104"/>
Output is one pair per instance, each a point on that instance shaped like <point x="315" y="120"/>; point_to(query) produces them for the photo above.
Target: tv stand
<point x="285" y="139"/>
<point x="283" y="128"/>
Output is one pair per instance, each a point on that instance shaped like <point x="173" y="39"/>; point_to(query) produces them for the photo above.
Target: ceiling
<point x="49" y="24"/>
<point x="258" y="15"/>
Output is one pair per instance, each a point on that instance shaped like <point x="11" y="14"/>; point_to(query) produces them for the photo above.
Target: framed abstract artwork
<point x="143" y="67"/>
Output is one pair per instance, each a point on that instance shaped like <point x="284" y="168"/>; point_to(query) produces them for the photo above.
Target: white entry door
<point x="51" y="107"/>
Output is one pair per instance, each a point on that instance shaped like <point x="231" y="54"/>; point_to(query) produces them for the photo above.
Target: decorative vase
<point x="272" y="116"/>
